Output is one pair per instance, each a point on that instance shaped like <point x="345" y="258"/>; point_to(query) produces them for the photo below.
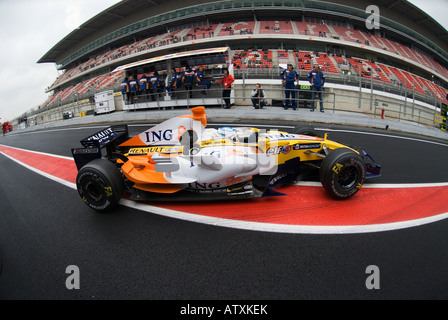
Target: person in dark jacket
<point x="188" y="80"/>
<point x="133" y="88"/>
<point x="258" y="97"/>
<point x="200" y="81"/>
<point x="125" y="89"/>
<point x="174" y="82"/>
<point x="317" y="80"/>
<point x="143" y="85"/>
<point x="154" y="86"/>
<point x="289" y="77"/>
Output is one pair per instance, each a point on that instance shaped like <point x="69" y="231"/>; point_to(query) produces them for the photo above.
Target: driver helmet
<point x="228" y="132"/>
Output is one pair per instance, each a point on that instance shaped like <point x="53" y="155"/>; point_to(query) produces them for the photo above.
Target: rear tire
<point x="100" y="185"/>
<point x="342" y="173"/>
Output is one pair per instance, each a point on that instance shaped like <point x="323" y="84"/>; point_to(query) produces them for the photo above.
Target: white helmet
<point x="228" y="132"/>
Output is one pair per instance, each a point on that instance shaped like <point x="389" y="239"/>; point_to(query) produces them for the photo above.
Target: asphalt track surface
<point x="132" y="254"/>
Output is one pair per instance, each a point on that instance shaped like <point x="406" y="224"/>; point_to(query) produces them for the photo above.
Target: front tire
<point x="100" y="185"/>
<point x="342" y="173"/>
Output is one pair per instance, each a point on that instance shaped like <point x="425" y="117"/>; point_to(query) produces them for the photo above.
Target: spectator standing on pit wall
<point x="154" y="86"/>
<point x="200" y="81"/>
<point x="227" y="82"/>
<point x="258" y="97"/>
<point x="125" y="89"/>
<point x="188" y="80"/>
<point x="289" y="77"/>
<point x="317" y="80"/>
<point x="173" y="82"/>
<point x="143" y="84"/>
<point x="133" y="87"/>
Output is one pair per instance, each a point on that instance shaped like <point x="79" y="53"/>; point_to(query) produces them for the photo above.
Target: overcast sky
<point x="29" y="28"/>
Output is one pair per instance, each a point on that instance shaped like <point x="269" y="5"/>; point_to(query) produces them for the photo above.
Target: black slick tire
<point x="100" y="185"/>
<point x="342" y="173"/>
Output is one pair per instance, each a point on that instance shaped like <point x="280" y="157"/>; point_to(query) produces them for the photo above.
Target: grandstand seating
<point x="377" y="72"/>
<point x="327" y="65"/>
<point x="109" y="80"/>
<point x="349" y="35"/>
<point x="237" y="28"/>
<point x="200" y="32"/>
<point x="356" y="64"/>
<point x="312" y="29"/>
<point x="283" y="57"/>
<point x="254" y="59"/>
<point x="340" y="60"/>
<point x="424" y="60"/>
<point x="263" y="59"/>
<point x="279" y="27"/>
<point x="411" y="80"/>
<point x="304" y="60"/>
<point x="379" y="42"/>
<point x="97" y="83"/>
<point x="283" y="27"/>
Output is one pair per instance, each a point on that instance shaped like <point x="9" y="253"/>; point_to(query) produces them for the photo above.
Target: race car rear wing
<point x="108" y="138"/>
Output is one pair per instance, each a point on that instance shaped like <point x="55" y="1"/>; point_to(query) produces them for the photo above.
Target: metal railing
<point x="353" y="80"/>
<point x="214" y="96"/>
<point x="401" y="108"/>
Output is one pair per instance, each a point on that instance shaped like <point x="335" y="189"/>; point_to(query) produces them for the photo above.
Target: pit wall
<point x="337" y="97"/>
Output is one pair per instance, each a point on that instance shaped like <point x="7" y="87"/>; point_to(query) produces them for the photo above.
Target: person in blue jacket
<point x="289" y="77"/>
<point x="200" y="81"/>
<point x="125" y="89"/>
<point x="174" y="82"/>
<point x="143" y="85"/>
<point x="317" y="80"/>
<point x="188" y="80"/>
<point x="133" y="87"/>
<point x="154" y="85"/>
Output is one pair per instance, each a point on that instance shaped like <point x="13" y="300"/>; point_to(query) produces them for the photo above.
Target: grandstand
<point x="407" y="56"/>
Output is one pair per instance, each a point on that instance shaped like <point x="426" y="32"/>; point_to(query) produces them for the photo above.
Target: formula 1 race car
<point x="182" y="160"/>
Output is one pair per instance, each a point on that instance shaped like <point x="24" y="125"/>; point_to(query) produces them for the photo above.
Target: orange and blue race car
<point x="181" y="159"/>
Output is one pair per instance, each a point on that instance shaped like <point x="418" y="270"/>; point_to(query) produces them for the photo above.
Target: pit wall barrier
<point x="337" y="97"/>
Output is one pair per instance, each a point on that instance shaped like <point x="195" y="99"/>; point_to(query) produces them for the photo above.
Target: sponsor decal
<point x="86" y="151"/>
<point x="302" y="146"/>
<point x="279" y="149"/>
<point x="204" y="186"/>
<point x="155" y="136"/>
<point x="140" y="151"/>
<point x="337" y="168"/>
<point x="102" y="135"/>
<point x="101" y="138"/>
<point x="286" y="149"/>
<point x="108" y="191"/>
<point x="280" y="136"/>
<point x="215" y="142"/>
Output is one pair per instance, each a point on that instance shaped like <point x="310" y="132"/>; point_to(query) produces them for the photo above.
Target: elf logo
<point x="155" y="136"/>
